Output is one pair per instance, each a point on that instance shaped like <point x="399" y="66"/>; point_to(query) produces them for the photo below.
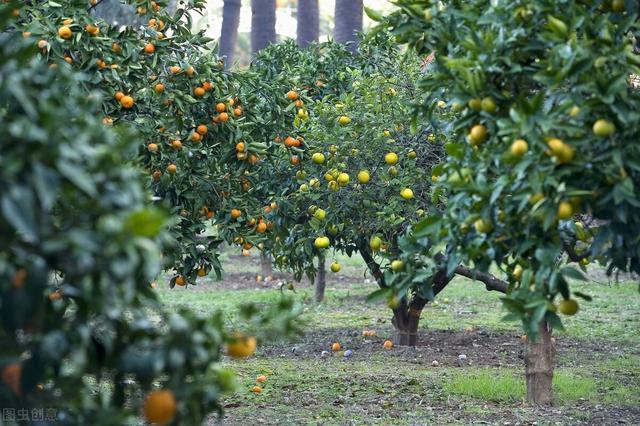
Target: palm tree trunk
<point x="348" y="18"/>
<point x="308" y="22"/>
<point x="263" y="24"/>
<point x="229" y="33"/>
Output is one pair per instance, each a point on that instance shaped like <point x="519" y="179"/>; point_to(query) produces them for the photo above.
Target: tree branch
<point x="491" y="283"/>
<point x="575" y="257"/>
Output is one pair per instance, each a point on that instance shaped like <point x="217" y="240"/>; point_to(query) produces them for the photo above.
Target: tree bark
<point x="263" y="24"/>
<point x="265" y="265"/>
<point x="539" y="367"/>
<point x="308" y="29"/>
<point x="321" y="279"/>
<point x="229" y="31"/>
<point x="348" y="21"/>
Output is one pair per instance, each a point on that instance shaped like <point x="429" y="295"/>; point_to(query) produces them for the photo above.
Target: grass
<point x="599" y="365"/>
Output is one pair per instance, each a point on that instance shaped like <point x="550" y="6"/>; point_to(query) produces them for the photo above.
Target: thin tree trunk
<point x="348" y="21"/>
<point x="321" y="279"/>
<point x="539" y="367"/>
<point x="263" y="24"/>
<point x="308" y="29"/>
<point x="265" y="265"/>
<point x="229" y="32"/>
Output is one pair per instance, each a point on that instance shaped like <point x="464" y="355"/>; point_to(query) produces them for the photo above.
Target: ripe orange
<point x="256" y="389"/>
<point x="202" y="272"/>
<point x="156" y="175"/>
<point x="240" y="147"/>
<point x="174" y="69"/>
<point x="261" y="378"/>
<point x="261" y="228"/>
<point x="11" y="375"/>
<point x="42" y="44"/>
<point x="127" y="102"/>
<point x="190" y="71"/>
<point x="253" y="159"/>
<point x="118" y="96"/>
<point x="221" y="107"/>
<point x="295" y="160"/>
<point x="299" y="103"/>
<point x="149" y="48"/>
<point x="241" y="346"/>
<point x="336" y="347"/>
<point x="100" y="63"/>
<point x="290" y="141"/>
<point x="292" y="95"/>
<point x="159" y="88"/>
<point x="247" y="246"/>
<point x="237" y="112"/>
<point x="152" y="147"/>
<point x="172" y="169"/>
<point x="196" y="137"/>
<point x="116" y="48"/>
<point x="235" y="213"/>
<point x="207" y="86"/>
<point x="199" y="91"/>
<point x="388" y="344"/>
<point x="176" y="144"/>
<point x="92" y="30"/>
<point x="68" y="59"/>
<point x="202" y="129"/>
<point x="224" y="117"/>
<point x="65" y="32"/>
<point x="160" y="407"/>
<point x="241" y="156"/>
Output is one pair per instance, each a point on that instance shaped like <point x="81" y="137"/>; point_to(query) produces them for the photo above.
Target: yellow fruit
<point x="388" y="344"/>
<point x="483" y="226"/>
<point x="412" y="155"/>
<point x="618" y="6"/>
<point x="256" y="389"/>
<point x="321" y="242"/>
<point x="343" y="179"/>
<point x="364" y="176"/>
<point x="442" y="104"/>
<point x="336" y="347"/>
<point x="569" y="307"/>
<point x="318" y="158"/>
<point x="517" y="272"/>
<point x="536" y="198"/>
<point x="519" y="148"/>
<point x="261" y="378"/>
<point x="393" y="302"/>
<point x="603" y="128"/>
<point x="344" y="120"/>
<point x="391" y="158"/>
<point x="160" y="407"/>
<point x="406" y="193"/>
<point x="375" y="243"/>
<point x="475" y="104"/>
<point x="397" y="265"/>
<point x="319" y="214"/>
<point x="574" y="111"/>
<point x="241" y="346"/>
<point x="477" y="135"/>
<point x="65" y="32"/>
<point x="335" y="267"/>
<point x="555" y="146"/>
<point x="488" y="105"/>
<point x="565" y="210"/>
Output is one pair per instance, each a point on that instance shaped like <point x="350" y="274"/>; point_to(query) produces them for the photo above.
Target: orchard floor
<point x="596" y="382"/>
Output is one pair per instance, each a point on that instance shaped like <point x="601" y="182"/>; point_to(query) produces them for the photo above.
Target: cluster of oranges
<point x="260" y="380"/>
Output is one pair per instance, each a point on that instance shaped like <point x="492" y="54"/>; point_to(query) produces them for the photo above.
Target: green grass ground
<point x="597" y="379"/>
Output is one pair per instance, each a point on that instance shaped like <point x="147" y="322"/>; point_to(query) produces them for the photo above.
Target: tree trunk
<point x="406" y="318"/>
<point x="229" y="32"/>
<point x="539" y="367"/>
<point x="308" y="29"/>
<point x="348" y="21"/>
<point x="321" y="279"/>
<point x="263" y="24"/>
<point x="265" y="265"/>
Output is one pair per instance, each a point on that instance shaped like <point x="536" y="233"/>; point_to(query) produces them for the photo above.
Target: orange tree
<point x="164" y="81"/>
<point x="542" y="163"/>
<point x="85" y="338"/>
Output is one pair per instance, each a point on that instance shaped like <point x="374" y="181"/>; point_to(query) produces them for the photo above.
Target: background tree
<point x="229" y="31"/>
<point x="308" y="29"/>
<point x="348" y="21"/>
<point x="263" y="24"/>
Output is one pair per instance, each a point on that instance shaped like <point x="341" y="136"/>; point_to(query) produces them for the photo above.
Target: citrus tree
<point x="542" y="165"/>
<point x="163" y="80"/>
<point x="85" y="338"/>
